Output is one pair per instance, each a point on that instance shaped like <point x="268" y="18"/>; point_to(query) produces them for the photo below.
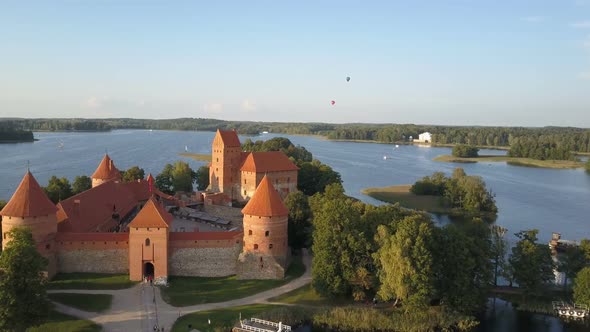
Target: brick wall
<point x="204" y="262"/>
<point x="251" y="266"/>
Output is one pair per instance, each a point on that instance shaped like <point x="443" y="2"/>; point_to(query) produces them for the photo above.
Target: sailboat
<point x="186" y="148"/>
<point x="61" y="145"/>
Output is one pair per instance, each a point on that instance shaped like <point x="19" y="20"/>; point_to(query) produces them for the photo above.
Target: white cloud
<point x="584" y="75"/>
<point x="248" y="105"/>
<point x="533" y="19"/>
<point x="213" y="108"/>
<point x="581" y="25"/>
<point x="93" y="102"/>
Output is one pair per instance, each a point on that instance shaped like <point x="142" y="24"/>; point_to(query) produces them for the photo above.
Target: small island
<point x="460" y="195"/>
<point x="543" y="156"/>
<point x="15" y="136"/>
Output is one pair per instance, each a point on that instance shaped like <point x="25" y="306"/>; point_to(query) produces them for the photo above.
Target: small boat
<point x="61" y="145"/>
<point x="265" y="132"/>
<point x="186" y="148"/>
<point x="396" y="146"/>
<point x="384" y="157"/>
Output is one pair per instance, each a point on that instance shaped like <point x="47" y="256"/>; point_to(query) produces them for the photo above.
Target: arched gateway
<point x="148" y="270"/>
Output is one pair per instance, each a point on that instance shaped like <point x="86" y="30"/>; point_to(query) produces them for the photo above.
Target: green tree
<point x="499" y="248"/>
<point x="582" y="286"/>
<point x="313" y="177"/>
<point x="22" y="283"/>
<point x="202" y="177"/>
<point x="183" y="177"/>
<point x="587" y="166"/>
<point x="464" y="268"/>
<point x="405" y="261"/>
<point x="133" y="174"/>
<point x="571" y="262"/>
<point x="299" y="219"/>
<point x="585" y="247"/>
<point x="81" y="183"/>
<point x="531" y="263"/>
<point x="58" y="189"/>
<point x="2" y="204"/>
<point x="164" y="180"/>
<point x="341" y="261"/>
<point x="177" y="177"/>
<point x="465" y="151"/>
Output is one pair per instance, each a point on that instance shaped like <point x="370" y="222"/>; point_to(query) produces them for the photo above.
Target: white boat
<point x="396" y="146"/>
<point x="61" y="145"/>
<point x="265" y="132"/>
<point x="186" y="148"/>
<point x="384" y="157"/>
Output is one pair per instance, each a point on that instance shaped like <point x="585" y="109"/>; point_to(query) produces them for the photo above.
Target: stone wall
<point x="251" y="266"/>
<point x="95" y="261"/>
<point x="204" y="262"/>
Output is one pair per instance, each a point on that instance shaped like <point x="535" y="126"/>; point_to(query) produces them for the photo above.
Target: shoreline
<point x="514" y="161"/>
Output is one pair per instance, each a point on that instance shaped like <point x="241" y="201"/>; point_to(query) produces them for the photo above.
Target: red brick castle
<point x="118" y="227"/>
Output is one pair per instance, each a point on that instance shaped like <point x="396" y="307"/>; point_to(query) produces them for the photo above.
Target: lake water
<point x="546" y="199"/>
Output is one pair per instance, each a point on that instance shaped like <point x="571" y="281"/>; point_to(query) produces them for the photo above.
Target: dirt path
<point x="141" y="307"/>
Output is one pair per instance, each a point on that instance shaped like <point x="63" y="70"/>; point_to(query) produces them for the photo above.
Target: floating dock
<point x="570" y="310"/>
<point x="261" y="325"/>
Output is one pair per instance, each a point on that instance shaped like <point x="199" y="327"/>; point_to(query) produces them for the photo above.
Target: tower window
<point x="244" y="181"/>
<point x="250" y="232"/>
<point x="47" y="246"/>
<point x="270" y="246"/>
<point x="255" y="247"/>
<point x="147" y="242"/>
<point x="244" y="192"/>
<point x="217" y="159"/>
<point x="266" y="233"/>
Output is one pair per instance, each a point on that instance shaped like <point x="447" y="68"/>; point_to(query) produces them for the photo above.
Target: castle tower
<point x="106" y="171"/>
<point x="148" y="242"/>
<point x="225" y="163"/>
<point x="265" y="251"/>
<point x="30" y="207"/>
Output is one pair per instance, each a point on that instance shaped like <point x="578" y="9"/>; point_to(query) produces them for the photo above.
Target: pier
<point x="261" y="325"/>
<point x="570" y="310"/>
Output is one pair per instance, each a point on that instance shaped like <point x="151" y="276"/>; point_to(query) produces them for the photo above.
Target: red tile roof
<point x="92" y="209"/>
<point x="266" y="201"/>
<point x="194" y="236"/>
<point x="29" y="200"/>
<point x="229" y="138"/>
<point x="152" y="215"/>
<point x="273" y="161"/>
<point x="106" y="170"/>
<point x="60" y="236"/>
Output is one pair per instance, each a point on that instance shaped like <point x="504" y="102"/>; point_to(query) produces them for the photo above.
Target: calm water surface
<point x="546" y="199"/>
<point x="549" y="200"/>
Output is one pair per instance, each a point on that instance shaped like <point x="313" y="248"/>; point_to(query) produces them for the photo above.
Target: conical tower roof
<point x="29" y="200"/>
<point x="266" y="201"/>
<point x="106" y="170"/>
<point x="152" y="215"/>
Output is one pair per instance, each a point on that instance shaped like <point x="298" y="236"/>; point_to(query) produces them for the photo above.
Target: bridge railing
<point x="269" y="323"/>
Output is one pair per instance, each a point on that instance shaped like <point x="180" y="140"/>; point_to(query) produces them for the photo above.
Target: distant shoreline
<point x="526" y="162"/>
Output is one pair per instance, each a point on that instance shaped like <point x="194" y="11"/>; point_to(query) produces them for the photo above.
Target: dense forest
<point x="538" y="143"/>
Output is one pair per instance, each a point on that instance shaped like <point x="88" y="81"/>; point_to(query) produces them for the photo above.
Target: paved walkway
<point x="141" y="307"/>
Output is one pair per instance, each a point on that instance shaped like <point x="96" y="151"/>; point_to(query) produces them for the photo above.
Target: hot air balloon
<point x="347" y="79"/>
<point x="332" y="102"/>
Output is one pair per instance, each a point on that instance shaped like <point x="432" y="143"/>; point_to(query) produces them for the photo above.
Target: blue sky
<point x="463" y="62"/>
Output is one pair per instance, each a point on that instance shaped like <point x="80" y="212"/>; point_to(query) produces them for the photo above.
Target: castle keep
<point x="134" y="228"/>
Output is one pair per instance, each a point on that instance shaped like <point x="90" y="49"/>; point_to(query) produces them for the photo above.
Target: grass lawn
<point x="226" y="317"/>
<point x="90" y="281"/>
<point x="196" y="156"/>
<point x="401" y="194"/>
<point x="528" y="162"/>
<point x="86" y="302"/>
<point x="306" y="295"/>
<point x="62" y="322"/>
<point x="185" y="291"/>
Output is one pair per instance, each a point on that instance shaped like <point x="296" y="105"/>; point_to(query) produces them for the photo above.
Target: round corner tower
<point x="30" y="207"/>
<point x="266" y="223"/>
<point x="106" y="171"/>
